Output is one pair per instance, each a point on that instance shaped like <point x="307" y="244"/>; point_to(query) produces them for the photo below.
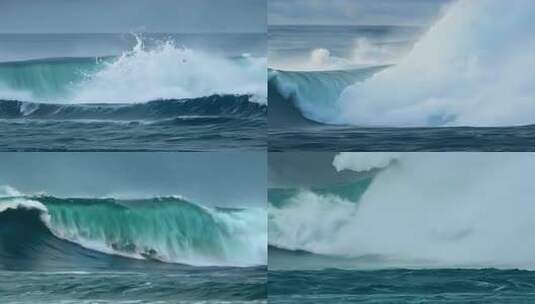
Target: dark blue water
<point x="348" y="138"/>
<point x="199" y="124"/>
<point x="402" y="286"/>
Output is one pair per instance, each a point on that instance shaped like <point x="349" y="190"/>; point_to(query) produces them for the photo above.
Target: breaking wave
<point x="142" y="74"/>
<point x="420" y="210"/>
<point x="166" y="229"/>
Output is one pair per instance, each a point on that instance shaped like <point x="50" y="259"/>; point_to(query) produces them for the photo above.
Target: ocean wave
<point x="139" y="75"/>
<point x="166" y="229"/>
<point x="295" y="95"/>
<point x="469" y="69"/>
<point x="424" y="210"/>
<point x="218" y="106"/>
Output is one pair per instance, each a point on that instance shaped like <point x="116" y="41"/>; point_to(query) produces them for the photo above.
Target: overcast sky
<point x="218" y="179"/>
<point x="103" y="16"/>
<point x="305" y="169"/>
<point x="354" y="12"/>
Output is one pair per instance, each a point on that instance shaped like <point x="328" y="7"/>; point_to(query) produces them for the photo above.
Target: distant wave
<point x="419" y="210"/>
<point x="142" y="74"/>
<point x="166" y="229"/>
<point x="216" y="107"/>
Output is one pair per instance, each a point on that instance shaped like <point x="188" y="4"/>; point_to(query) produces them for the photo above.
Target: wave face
<point x="169" y="230"/>
<point x="164" y="71"/>
<point x="471" y="68"/>
<point x="420" y="210"/>
<point x="312" y="94"/>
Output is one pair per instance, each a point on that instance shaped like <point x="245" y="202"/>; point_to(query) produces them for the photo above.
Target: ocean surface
<point x="160" y="250"/>
<point x="126" y="92"/>
<point x="333" y="88"/>
<point x="402" y="286"/>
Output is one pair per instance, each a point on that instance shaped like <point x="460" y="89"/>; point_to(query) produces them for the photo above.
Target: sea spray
<point x="473" y="67"/>
<point x="163" y="71"/>
<point x="424" y="210"/>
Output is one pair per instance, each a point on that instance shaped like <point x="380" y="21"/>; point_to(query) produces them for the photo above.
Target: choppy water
<point x="402" y="286"/>
<point x="348" y="138"/>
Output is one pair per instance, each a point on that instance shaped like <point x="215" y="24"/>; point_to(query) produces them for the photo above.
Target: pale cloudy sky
<point x="232" y="179"/>
<point x="104" y="16"/>
<point x="354" y="12"/>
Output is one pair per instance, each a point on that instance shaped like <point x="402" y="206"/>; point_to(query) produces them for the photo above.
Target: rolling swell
<point x="301" y="98"/>
<point x="63" y="233"/>
<point x="237" y="106"/>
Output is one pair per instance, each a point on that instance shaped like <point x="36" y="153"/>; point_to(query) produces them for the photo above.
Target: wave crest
<point x="142" y="74"/>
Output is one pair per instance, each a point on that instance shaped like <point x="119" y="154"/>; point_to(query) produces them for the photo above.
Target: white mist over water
<point x="364" y="53"/>
<point x="474" y="67"/>
<point x="424" y="210"/>
<point x="168" y="72"/>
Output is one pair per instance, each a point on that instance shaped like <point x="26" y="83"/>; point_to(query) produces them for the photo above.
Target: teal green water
<point x="351" y="191"/>
<point x="48" y="79"/>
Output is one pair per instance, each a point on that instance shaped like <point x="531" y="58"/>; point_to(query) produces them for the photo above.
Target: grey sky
<point x="354" y="12"/>
<point x="305" y="169"/>
<point x="104" y="16"/>
<point x="222" y="179"/>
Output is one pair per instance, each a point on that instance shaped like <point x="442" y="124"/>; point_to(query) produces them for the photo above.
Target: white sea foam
<point x="428" y="210"/>
<point x="168" y="71"/>
<point x="163" y="71"/>
<point x="473" y="67"/>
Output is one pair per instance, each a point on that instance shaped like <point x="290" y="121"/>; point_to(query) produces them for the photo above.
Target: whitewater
<point x="420" y="211"/>
<point x="146" y="72"/>
<point x="471" y="68"/>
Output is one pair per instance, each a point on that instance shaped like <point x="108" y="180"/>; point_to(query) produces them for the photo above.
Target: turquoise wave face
<point x="46" y="79"/>
<point x="169" y="229"/>
<point x="316" y="94"/>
